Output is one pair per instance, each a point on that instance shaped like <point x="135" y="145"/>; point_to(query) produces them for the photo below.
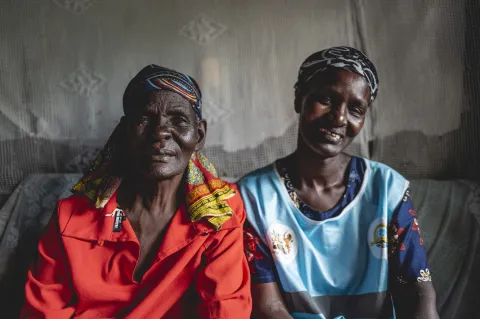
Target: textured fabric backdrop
<point x="65" y="63"/>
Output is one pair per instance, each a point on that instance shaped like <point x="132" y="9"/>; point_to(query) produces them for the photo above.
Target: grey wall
<point x="64" y="65"/>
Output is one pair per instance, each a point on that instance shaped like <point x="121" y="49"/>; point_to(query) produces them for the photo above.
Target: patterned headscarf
<point x="345" y="58"/>
<point x="205" y="191"/>
<point x="154" y="77"/>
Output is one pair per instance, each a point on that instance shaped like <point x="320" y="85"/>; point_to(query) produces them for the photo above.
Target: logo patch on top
<point x="283" y="242"/>
<point x="378" y="238"/>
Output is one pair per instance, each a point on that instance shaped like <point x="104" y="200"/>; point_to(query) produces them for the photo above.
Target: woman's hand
<point x="268" y="302"/>
<point x="415" y="301"/>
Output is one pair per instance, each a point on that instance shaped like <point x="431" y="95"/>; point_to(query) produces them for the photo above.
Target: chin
<point x="161" y="172"/>
<point x="326" y="150"/>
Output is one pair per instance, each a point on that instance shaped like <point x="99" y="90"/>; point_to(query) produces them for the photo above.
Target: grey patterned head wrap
<point x="345" y="58"/>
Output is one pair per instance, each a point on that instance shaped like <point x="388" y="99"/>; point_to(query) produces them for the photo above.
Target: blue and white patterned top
<point x="407" y="255"/>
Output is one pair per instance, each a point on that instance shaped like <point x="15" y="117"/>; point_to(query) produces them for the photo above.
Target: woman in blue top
<point x="332" y="235"/>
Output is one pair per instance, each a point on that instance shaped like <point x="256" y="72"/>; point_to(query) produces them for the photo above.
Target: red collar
<point x="89" y="223"/>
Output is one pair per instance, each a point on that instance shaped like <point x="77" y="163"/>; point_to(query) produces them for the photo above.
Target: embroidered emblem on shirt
<point x="401" y="280"/>
<point x="424" y="276"/>
<point x="283" y="242"/>
<point x="250" y="243"/>
<point x="353" y="177"/>
<point x="406" y="196"/>
<point x="378" y="238"/>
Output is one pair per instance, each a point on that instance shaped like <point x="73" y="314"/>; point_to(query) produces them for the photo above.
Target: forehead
<point x="156" y="101"/>
<point x="165" y="97"/>
<point x="341" y="81"/>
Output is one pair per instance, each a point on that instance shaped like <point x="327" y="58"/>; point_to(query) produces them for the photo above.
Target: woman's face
<point x="162" y="134"/>
<point x="332" y="108"/>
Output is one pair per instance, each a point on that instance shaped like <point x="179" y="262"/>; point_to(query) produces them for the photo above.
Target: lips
<point x="161" y="155"/>
<point x="330" y="135"/>
<point x="164" y="153"/>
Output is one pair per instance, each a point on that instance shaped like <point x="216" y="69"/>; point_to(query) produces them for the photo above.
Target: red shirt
<point x="85" y="269"/>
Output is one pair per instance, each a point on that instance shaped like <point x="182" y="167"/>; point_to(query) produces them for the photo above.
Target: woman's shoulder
<point x="70" y="206"/>
<point x="380" y="169"/>
<point x="382" y="179"/>
<point x="257" y="175"/>
<point x="238" y="209"/>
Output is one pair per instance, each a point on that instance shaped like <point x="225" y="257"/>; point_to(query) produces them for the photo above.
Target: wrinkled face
<point x="162" y="132"/>
<point x="332" y="108"/>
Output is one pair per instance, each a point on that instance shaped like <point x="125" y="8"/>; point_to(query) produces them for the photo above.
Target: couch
<point x="449" y="217"/>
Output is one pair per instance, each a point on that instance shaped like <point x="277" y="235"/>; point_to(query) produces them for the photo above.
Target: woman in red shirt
<point x="151" y="231"/>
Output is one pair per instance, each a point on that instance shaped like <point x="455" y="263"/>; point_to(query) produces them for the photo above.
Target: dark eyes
<point x="141" y="120"/>
<point x="324" y="100"/>
<point x="175" y="120"/>
<point x="179" y="120"/>
<point x="357" y="110"/>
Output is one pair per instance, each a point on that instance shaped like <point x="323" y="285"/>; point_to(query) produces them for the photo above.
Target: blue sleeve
<point x="407" y="254"/>
<point x="260" y="261"/>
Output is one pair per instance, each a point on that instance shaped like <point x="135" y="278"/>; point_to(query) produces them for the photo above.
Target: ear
<point x="298" y="101"/>
<point x="122" y="127"/>
<point x="117" y="145"/>
<point x="202" y="134"/>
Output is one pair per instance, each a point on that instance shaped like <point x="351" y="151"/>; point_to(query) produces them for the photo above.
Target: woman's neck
<point x="311" y="170"/>
<point x="155" y="197"/>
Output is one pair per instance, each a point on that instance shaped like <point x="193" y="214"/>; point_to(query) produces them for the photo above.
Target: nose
<point x="161" y="130"/>
<point x="338" y="115"/>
